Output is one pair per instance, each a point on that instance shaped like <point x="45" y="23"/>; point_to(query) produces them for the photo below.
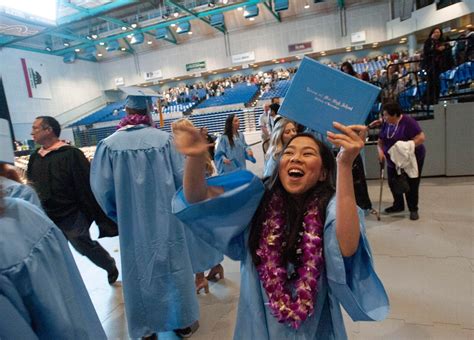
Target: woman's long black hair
<point x="229" y="129"/>
<point x="294" y="209"/>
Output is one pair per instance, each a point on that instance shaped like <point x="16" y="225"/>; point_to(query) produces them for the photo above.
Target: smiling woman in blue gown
<point x="232" y="150"/>
<point x="314" y="266"/>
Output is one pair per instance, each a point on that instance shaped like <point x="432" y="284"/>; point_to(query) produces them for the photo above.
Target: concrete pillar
<point x="411" y="45"/>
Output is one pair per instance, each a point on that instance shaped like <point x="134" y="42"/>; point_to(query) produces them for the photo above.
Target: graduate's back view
<point x="135" y="173"/>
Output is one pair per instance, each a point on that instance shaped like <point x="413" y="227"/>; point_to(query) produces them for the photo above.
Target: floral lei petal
<point x="285" y="308"/>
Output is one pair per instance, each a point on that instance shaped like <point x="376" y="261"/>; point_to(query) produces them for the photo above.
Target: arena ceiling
<point x="97" y="30"/>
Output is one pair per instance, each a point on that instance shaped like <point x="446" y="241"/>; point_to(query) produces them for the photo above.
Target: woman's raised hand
<point x="190" y="141"/>
<point x="351" y="141"/>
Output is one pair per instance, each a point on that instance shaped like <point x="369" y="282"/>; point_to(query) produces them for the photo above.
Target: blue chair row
<point x="240" y="93"/>
<point x="279" y="90"/>
<point x="460" y="75"/>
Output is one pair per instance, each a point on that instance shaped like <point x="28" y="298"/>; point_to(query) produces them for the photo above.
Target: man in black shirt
<point x="60" y="175"/>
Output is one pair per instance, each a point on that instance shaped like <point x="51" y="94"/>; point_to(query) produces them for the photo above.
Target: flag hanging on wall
<point x="37" y="83"/>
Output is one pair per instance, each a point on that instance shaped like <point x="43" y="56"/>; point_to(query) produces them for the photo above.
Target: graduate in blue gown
<point x="282" y="132"/>
<point x="201" y="253"/>
<point x="293" y="272"/>
<point x="134" y="175"/>
<point x="41" y="291"/>
<point x="232" y="150"/>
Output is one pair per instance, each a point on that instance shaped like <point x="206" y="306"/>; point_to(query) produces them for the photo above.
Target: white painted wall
<point x="71" y="86"/>
<point x="268" y="41"/>
<point x="427" y="17"/>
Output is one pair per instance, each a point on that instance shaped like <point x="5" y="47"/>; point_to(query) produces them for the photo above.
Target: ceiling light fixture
<point x="173" y="25"/>
<point x="66" y="44"/>
<point x="306" y="5"/>
<point x="49" y="49"/>
<point x="94" y="36"/>
<point x="190" y="32"/>
<point x="251" y="19"/>
<point x="123" y="49"/>
<point x="99" y="54"/>
<point x="102" y="43"/>
<point x="176" y="14"/>
<point x="134" y="25"/>
<point x="239" y="8"/>
<point x="149" y="42"/>
<point x="77" y="50"/>
<point x="124" y="28"/>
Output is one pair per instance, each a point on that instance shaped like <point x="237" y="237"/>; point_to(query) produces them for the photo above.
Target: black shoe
<point x="188" y="331"/>
<point x="113" y="275"/>
<point x="414" y="215"/>
<point x="392" y="209"/>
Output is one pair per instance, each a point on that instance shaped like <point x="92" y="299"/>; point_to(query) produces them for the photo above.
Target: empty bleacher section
<point x="239" y="93"/>
<point x="279" y="89"/>
<point x="214" y="121"/>
<point x="108" y="111"/>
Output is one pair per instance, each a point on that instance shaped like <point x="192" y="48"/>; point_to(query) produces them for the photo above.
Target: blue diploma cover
<point x="320" y="95"/>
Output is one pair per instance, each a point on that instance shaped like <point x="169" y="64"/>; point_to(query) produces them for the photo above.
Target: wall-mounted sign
<point x="153" y="75"/>
<point x="200" y="65"/>
<point x="36" y="77"/>
<point x="358" y="47"/>
<point x="358" y="37"/>
<point x="119" y="81"/>
<point x="243" y="57"/>
<point x="304" y="46"/>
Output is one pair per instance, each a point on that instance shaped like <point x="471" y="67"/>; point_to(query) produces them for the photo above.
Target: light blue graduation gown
<point x="134" y="174"/>
<point x="223" y="221"/>
<point x="237" y="154"/>
<point x="14" y="189"/>
<point x="39" y="278"/>
<point x="269" y="166"/>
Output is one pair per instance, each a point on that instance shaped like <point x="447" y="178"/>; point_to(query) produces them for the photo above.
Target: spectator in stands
<point x="203" y="256"/>
<point x="60" y="175"/>
<point x="346" y="67"/>
<point x="275" y="100"/>
<point x="41" y="291"/>
<point x="434" y="63"/>
<point x="358" y="172"/>
<point x="232" y="149"/>
<point x="301" y="245"/>
<point x="405" y="133"/>
<point x="135" y="173"/>
<point x="284" y="130"/>
<point x="264" y="122"/>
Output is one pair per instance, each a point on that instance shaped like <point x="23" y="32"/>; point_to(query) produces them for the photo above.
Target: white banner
<point x="36" y="78"/>
<point x="153" y="75"/>
<point x="119" y="81"/>
<point x="243" y="57"/>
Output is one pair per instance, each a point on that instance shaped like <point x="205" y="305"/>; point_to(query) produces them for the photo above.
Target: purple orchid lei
<point x="290" y="308"/>
<point x="135" y="119"/>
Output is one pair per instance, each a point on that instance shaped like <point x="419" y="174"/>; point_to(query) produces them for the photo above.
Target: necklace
<point x="291" y="306"/>
<point x="394" y="131"/>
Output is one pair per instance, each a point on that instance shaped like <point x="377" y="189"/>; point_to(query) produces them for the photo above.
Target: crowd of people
<point x="193" y="92"/>
<point x="176" y="220"/>
<point x="167" y="234"/>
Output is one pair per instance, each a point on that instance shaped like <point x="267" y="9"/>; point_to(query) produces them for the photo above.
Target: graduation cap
<point x="6" y="151"/>
<point x="139" y="98"/>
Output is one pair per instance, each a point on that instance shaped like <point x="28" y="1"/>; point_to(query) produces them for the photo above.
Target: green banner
<point x="200" y="65"/>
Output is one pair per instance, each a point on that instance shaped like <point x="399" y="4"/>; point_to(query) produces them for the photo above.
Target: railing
<point x="82" y="110"/>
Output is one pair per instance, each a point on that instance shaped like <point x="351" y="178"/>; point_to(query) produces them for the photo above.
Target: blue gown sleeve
<point x="353" y="281"/>
<point x="12" y="324"/>
<point x="221" y="154"/>
<point x="24" y="192"/>
<point x="222" y="221"/>
<point x="177" y="162"/>
<point x="102" y="181"/>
